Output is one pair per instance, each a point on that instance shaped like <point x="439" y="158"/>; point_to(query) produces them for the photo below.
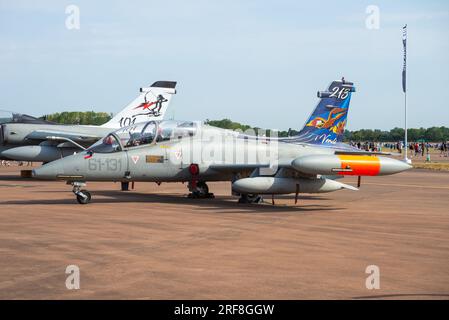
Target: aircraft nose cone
<point x="392" y="166"/>
<point x="48" y="171"/>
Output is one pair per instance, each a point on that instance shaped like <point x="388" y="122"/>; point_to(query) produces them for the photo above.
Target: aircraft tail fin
<point x="326" y="124"/>
<point x="151" y="103"/>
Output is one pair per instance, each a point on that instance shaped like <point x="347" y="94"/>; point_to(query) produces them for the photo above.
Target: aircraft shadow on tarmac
<point x="226" y="203"/>
<point x="15" y="178"/>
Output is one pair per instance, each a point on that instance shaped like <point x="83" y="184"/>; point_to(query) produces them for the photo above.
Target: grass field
<point x="440" y="166"/>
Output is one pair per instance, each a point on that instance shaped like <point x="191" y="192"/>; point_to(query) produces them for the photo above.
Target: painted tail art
<point x="326" y="124"/>
<point x="151" y="104"/>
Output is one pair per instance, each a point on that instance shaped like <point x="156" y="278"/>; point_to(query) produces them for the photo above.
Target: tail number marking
<point x="340" y="93"/>
<point x="126" y="121"/>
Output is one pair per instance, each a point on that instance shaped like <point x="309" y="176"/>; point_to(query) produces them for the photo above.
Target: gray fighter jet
<point x="192" y="152"/>
<point x="26" y="138"/>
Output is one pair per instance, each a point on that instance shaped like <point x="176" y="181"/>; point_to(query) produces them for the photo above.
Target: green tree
<point x="78" y="117"/>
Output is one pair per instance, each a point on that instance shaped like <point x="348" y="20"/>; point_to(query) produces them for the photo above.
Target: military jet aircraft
<point x="187" y="151"/>
<point x="25" y="138"/>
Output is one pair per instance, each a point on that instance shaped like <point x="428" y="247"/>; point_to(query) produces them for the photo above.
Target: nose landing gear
<point x="82" y="196"/>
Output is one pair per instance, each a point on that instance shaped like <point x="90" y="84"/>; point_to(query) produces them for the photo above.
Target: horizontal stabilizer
<point x="364" y="153"/>
<point x="164" y="84"/>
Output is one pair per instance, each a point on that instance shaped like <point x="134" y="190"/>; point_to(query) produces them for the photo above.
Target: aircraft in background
<point x="186" y="151"/>
<point x="25" y="138"/>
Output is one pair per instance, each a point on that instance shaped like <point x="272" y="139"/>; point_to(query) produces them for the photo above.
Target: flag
<point x="404" y="69"/>
<point x="88" y="155"/>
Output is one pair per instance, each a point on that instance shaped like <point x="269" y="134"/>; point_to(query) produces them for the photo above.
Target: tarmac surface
<point x="154" y="243"/>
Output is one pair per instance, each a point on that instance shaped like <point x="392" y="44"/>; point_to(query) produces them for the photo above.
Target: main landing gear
<point x="250" y="198"/>
<point x="199" y="190"/>
<point x="82" y="196"/>
<point x="125" y="186"/>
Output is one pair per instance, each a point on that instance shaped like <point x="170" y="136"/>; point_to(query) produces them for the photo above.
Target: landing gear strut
<point x="125" y="185"/>
<point x="82" y="196"/>
<point x="199" y="190"/>
<point x="250" y="198"/>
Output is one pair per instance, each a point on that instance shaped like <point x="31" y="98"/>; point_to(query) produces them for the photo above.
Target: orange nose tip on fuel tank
<point x="359" y="165"/>
<point x="370" y="165"/>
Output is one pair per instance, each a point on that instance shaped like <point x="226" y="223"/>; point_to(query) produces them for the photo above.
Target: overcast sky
<point x="255" y="62"/>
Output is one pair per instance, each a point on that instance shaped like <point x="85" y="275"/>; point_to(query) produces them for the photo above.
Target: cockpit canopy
<point x="145" y="133"/>
<point x="12" y="117"/>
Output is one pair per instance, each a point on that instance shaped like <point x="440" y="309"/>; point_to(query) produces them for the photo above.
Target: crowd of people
<point x="415" y="148"/>
<point x="444" y="148"/>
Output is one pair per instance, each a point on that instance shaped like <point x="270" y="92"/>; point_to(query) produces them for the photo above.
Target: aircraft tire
<point x="82" y="200"/>
<point x="202" y="188"/>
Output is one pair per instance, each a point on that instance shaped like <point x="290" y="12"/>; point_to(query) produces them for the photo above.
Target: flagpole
<point x="404" y="89"/>
<point x="405" y="124"/>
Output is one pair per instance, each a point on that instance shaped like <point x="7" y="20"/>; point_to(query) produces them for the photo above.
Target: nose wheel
<point x="82" y="196"/>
